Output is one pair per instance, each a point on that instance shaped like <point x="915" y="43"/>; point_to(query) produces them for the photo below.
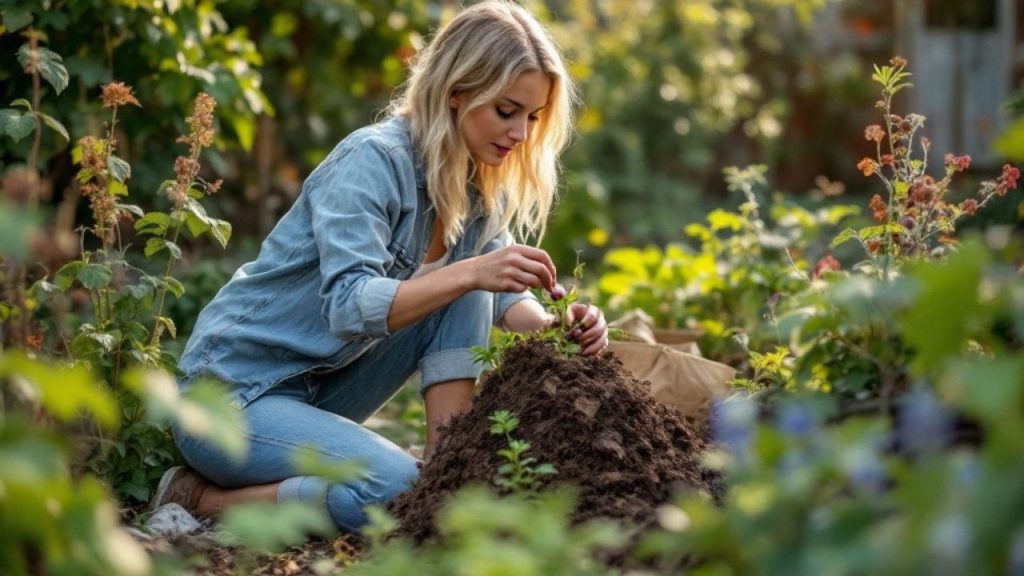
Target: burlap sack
<point x="683" y="381"/>
<point x="638" y="326"/>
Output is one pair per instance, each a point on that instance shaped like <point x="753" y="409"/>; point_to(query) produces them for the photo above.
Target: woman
<point x="396" y="257"/>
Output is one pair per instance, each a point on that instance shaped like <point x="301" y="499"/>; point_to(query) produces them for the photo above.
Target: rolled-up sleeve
<point x="504" y="300"/>
<point x="352" y="200"/>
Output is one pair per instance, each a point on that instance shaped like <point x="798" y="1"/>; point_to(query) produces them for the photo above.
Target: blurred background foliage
<point x="672" y="93"/>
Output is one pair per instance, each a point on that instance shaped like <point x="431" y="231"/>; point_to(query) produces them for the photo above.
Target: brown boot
<point x="183" y="486"/>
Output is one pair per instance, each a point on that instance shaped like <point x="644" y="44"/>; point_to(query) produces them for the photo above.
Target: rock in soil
<point x="601" y="428"/>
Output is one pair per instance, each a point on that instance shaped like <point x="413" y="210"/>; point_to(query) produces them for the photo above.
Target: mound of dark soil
<point x="623" y="451"/>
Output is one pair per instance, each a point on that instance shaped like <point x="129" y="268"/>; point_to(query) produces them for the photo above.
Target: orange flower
<point x="118" y="94"/>
<point x="874" y="132"/>
<point x="879" y="209"/>
<point x="867" y="166"/>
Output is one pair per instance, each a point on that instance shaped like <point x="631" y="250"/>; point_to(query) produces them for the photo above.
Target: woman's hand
<point x="590" y="329"/>
<point x="513" y="268"/>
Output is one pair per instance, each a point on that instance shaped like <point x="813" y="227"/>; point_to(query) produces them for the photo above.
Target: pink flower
<point x="969" y="206"/>
<point x="1008" y="179"/>
<point x="826" y="263"/>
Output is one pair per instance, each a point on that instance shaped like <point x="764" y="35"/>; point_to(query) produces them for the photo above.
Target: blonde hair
<point x="478" y="55"/>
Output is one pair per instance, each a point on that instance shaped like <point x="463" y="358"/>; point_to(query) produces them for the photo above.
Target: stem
<point x="155" y="339"/>
<point x="887" y="244"/>
<point x="33" y="156"/>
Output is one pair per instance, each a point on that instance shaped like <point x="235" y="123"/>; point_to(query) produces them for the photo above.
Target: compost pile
<point x="625" y="453"/>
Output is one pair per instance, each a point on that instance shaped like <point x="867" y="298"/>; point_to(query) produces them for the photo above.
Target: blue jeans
<point x="324" y="411"/>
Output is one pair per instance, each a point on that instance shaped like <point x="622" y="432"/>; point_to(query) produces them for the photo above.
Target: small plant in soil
<point x="493" y="354"/>
<point x="518" y="473"/>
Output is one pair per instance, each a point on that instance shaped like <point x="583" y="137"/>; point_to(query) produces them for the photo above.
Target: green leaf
<point x="308" y="461"/>
<point x="720" y="220"/>
<point x="65" y="277"/>
<point x="173" y="249"/>
<point x="95" y="276"/>
<point x="221" y="231"/>
<point x="54" y="125"/>
<point x="41" y="290"/>
<point x="65" y="391"/>
<point x="1010" y="144"/>
<point x="118" y="168"/>
<point x="292" y="522"/>
<point x="115" y="188"/>
<point x="990" y="387"/>
<point x="22" y="103"/>
<point x="153" y="246"/>
<point x="49" y="64"/>
<point x="93" y="344"/>
<point x="947" y="304"/>
<point x="900" y="189"/>
<point x="169" y="325"/>
<point x="154" y="223"/>
<point x="844" y="236"/>
<point x="173" y="286"/>
<point x="16" y="18"/>
<point x="16" y="124"/>
<point x="132" y="209"/>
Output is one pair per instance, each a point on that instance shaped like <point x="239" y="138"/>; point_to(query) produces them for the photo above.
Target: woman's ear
<point x="455" y="101"/>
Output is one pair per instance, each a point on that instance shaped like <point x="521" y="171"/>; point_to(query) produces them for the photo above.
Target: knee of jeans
<point x="470" y="317"/>
<point x="389" y="479"/>
<point x="380" y="484"/>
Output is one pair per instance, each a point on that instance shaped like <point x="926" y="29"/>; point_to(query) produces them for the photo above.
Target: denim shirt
<point x="319" y="292"/>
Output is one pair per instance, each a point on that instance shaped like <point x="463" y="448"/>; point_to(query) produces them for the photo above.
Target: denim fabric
<point x="318" y="295"/>
<point x="324" y="411"/>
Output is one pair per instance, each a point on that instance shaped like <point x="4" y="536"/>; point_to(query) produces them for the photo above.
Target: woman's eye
<point x="505" y="114"/>
<point x="533" y="118"/>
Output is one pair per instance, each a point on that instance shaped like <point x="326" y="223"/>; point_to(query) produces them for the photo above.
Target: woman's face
<point x="493" y="130"/>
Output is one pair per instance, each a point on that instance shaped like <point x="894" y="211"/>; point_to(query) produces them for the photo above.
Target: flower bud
<point x="557" y="292"/>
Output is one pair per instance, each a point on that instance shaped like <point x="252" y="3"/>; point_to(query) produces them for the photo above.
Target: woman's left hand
<point x="591" y="330"/>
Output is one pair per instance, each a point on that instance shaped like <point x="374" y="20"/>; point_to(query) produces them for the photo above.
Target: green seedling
<point x="518" y="474"/>
<point x="493" y="355"/>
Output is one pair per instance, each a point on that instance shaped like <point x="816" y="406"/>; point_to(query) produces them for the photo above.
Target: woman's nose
<point x="519" y="131"/>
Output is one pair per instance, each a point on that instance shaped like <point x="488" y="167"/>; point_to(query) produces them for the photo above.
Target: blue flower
<point x="924" y="423"/>
<point x="864" y="468"/>
<point x="796" y="419"/>
<point x="732" y="424"/>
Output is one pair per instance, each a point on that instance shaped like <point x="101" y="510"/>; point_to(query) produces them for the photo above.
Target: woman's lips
<point x="502" y="151"/>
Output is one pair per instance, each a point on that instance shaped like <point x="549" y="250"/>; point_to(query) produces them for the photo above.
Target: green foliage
<point x="807" y="498"/>
<point x="518" y="473"/>
<point x="512" y="535"/>
<point x="82" y="395"/>
<point x="729" y="285"/>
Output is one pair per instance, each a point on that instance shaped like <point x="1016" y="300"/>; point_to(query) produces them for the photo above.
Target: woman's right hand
<point x="513" y="268"/>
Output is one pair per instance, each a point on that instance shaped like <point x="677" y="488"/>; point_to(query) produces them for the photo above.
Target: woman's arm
<point x="511" y="269"/>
